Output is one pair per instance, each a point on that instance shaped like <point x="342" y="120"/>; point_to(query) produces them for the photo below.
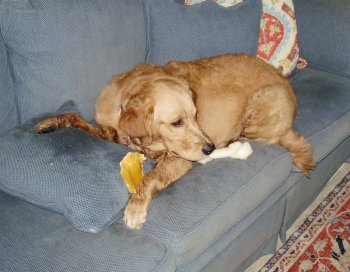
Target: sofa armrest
<point x="324" y="33"/>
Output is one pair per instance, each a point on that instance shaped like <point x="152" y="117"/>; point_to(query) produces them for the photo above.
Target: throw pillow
<point x="176" y="31"/>
<point x="62" y="50"/>
<point x="66" y="171"/>
<point x="278" y="38"/>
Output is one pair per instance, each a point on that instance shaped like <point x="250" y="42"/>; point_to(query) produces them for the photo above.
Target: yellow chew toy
<point x="131" y="170"/>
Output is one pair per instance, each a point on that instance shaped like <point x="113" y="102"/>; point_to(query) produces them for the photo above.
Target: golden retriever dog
<point x="181" y="112"/>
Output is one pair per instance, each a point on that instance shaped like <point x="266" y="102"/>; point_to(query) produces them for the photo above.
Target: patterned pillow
<point x="278" y="38"/>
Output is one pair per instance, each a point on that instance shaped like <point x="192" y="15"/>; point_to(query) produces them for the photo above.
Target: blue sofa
<point x="221" y="219"/>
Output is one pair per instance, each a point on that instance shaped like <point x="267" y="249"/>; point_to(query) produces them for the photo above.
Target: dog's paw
<point x="135" y="214"/>
<point x="46" y="126"/>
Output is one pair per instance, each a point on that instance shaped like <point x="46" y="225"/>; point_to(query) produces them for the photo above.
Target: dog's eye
<point x="178" y="123"/>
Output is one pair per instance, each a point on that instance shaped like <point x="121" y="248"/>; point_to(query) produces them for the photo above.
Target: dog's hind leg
<point x="269" y="118"/>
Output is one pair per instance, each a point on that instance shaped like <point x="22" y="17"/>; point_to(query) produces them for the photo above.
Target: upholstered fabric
<point x="192" y="213"/>
<point x="175" y="31"/>
<point x="8" y="110"/>
<point x="224" y="255"/>
<point x="33" y="239"/>
<point x="324" y="39"/>
<point x="278" y="38"/>
<point x="219" y="216"/>
<point x="68" y="50"/>
<point x="323" y="109"/>
<point x="66" y="171"/>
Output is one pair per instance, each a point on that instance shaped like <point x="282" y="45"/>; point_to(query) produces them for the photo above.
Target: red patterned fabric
<point x="271" y="34"/>
<point x="278" y="39"/>
<point x="322" y="242"/>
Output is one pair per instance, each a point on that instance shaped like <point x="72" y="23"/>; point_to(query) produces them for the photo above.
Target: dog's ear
<point x="136" y="118"/>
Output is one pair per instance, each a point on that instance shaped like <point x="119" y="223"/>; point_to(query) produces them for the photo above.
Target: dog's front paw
<point x="135" y="214"/>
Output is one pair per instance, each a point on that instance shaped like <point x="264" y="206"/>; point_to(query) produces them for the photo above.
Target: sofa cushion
<point x="278" y="38"/>
<point x="323" y="109"/>
<point x="34" y="239"/>
<point x="324" y="34"/>
<point x="175" y="31"/>
<point x="8" y="110"/>
<point x="66" y="171"/>
<point x="68" y="50"/>
<point x="195" y="211"/>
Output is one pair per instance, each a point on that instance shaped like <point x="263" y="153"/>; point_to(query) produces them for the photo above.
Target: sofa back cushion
<point x="176" y="31"/>
<point x="8" y="110"/>
<point x="68" y="50"/>
<point x="278" y="38"/>
<point x="324" y="34"/>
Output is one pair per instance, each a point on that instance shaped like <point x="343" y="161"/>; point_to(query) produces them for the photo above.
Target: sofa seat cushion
<point x="195" y="211"/>
<point x="35" y="239"/>
<point x="323" y="109"/>
<point x="62" y="50"/>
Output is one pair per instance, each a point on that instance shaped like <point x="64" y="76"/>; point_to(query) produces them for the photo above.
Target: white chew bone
<point x="236" y="150"/>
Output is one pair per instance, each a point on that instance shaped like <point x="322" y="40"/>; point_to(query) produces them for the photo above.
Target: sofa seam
<point x="328" y="70"/>
<point x="4" y="118"/>
<point x="327" y="127"/>
<point x="147" y="29"/>
<point x="285" y="196"/>
<point x="9" y="70"/>
<point x="341" y="140"/>
<point x="166" y="256"/>
<point x="168" y="252"/>
<point x="1" y="21"/>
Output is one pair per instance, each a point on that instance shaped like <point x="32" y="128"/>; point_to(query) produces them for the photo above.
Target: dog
<point x="181" y="112"/>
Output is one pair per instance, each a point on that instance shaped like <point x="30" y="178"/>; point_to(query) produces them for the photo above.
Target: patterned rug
<point x="322" y="241"/>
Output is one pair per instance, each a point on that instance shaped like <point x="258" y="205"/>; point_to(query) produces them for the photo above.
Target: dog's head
<point x="163" y="110"/>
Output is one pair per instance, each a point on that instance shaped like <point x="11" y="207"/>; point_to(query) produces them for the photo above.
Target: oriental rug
<point x="321" y="243"/>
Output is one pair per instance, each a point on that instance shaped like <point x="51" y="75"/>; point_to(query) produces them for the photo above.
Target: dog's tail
<point x="300" y="150"/>
<point x="71" y="119"/>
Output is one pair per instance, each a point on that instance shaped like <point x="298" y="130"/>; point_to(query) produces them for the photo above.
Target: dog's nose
<point x="208" y="148"/>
